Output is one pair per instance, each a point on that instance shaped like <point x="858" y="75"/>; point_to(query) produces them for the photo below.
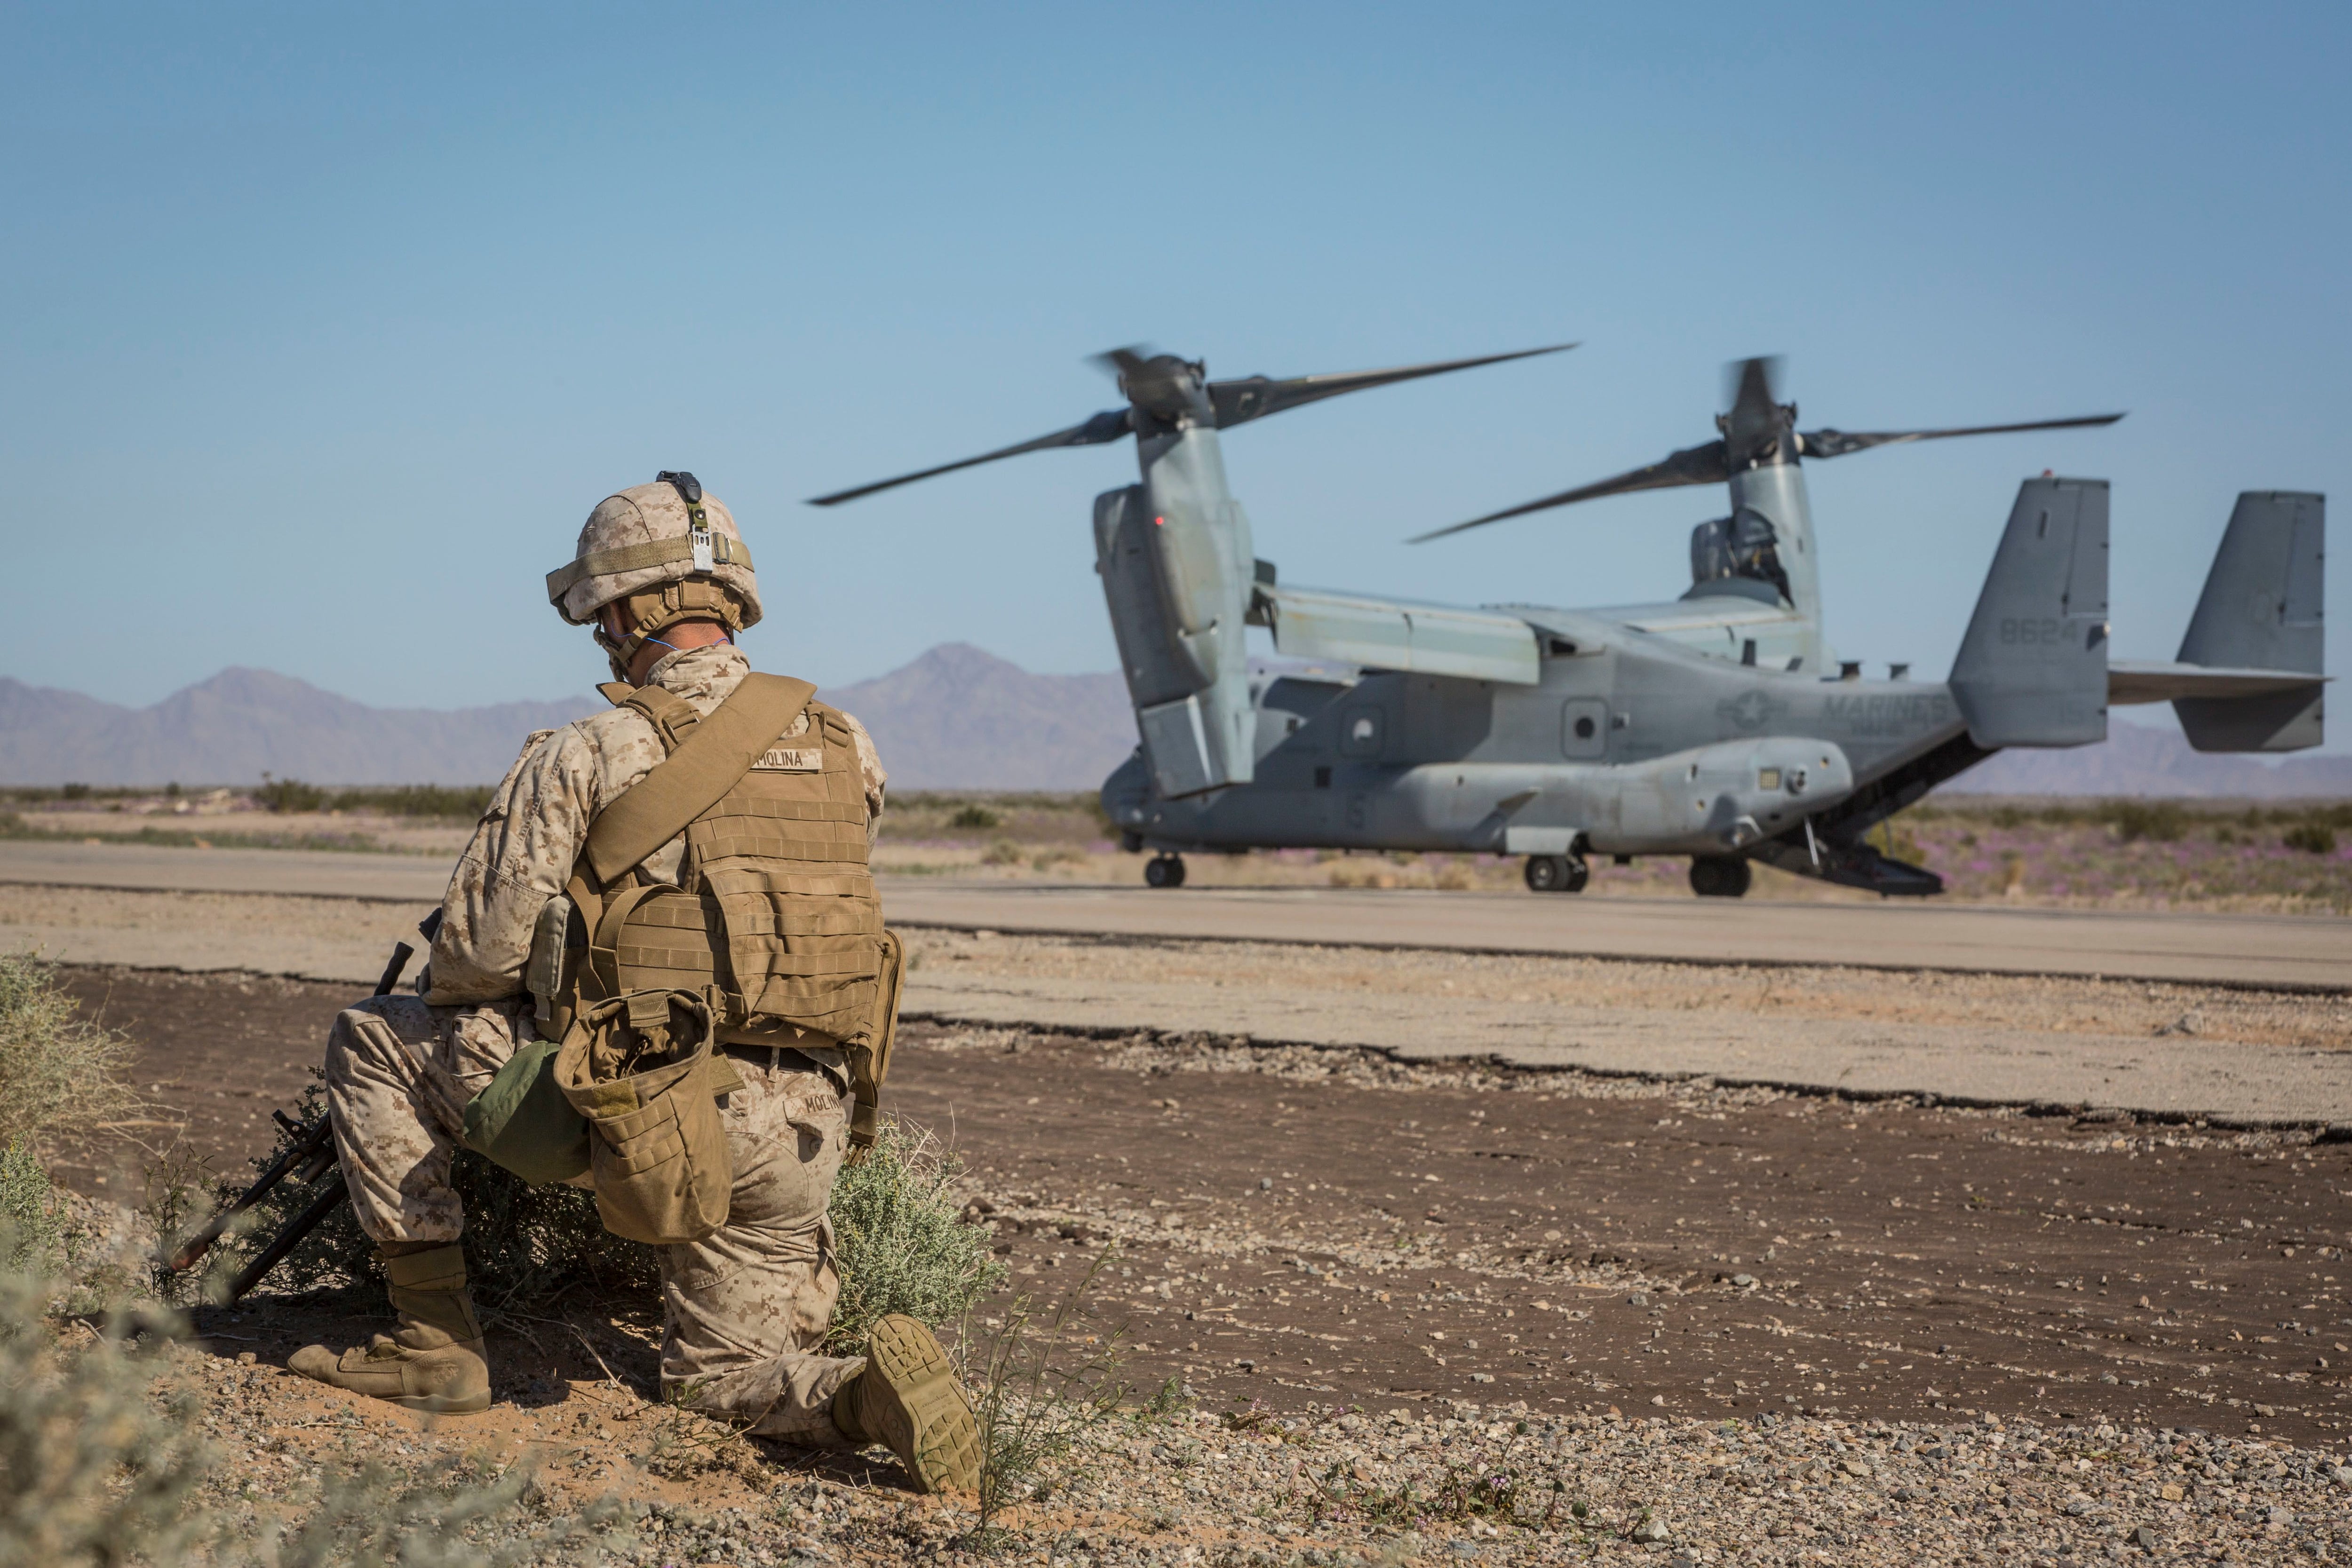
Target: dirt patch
<point x="1297" y="1226"/>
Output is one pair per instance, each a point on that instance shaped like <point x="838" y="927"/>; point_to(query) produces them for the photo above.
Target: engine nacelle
<point x="1177" y="566"/>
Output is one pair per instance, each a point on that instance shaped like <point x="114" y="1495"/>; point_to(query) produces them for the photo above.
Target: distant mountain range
<point x="2136" y="760"/>
<point x="241" y="723"/>
<point x="957" y="717"/>
<point x="961" y="718"/>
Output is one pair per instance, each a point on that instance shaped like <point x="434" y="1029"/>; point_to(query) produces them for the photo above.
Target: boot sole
<point x="435" y="1404"/>
<point x="928" y="1423"/>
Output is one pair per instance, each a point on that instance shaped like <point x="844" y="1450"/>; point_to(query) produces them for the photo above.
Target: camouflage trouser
<point x="743" y="1309"/>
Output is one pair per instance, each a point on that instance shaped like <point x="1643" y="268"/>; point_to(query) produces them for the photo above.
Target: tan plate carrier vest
<point x="774" y="918"/>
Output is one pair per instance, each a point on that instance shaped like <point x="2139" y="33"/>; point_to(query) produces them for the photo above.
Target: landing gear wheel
<point x="1719" y="876"/>
<point x="1557" y="873"/>
<point x="1164" y="871"/>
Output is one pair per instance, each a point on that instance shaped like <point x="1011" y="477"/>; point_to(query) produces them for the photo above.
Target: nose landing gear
<point x="1164" y="871"/>
<point x="1719" y="876"/>
<point x="1557" y="873"/>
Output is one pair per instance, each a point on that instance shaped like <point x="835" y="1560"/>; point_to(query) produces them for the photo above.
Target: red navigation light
<point x="1158" y="522"/>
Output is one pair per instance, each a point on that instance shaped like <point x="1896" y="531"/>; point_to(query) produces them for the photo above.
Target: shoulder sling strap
<point x="706" y="764"/>
<point x="714" y="755"/>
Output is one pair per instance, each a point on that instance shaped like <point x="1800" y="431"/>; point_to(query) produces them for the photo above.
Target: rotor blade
<point x="1827" y="442"/>
<point x="1254" y="397"/>
<point x="1107" y="425"/>
<point x="1691" y="466"/>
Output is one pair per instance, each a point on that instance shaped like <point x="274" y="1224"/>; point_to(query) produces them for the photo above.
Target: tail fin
<point x="2260" y="611"/>
<point x="2033" y="670"/>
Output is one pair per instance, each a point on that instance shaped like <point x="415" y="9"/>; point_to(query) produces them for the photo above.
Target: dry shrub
<point x="902" y="1243"/>
<point x="1033" y="1405"/>
<point x="60" y="1074"/>
<point x="31" y="1224"/>
<point x="104" y="1462"/>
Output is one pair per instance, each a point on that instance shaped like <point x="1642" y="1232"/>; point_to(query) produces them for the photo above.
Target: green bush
<point x="289" y="795"/>
<point x="2312" y="838"/>
<point x="419" y="801"/>
<point x="902" y="1243"/>
<point x="59" y="1075"/>
<point x="2162" y="820"/>
<point x="31" y="1235"/>
<point x="974" y="816"/>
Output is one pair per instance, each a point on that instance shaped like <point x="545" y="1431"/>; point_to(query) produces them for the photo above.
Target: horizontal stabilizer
<point x="2033" y="670"/>
<point x="2159" y="681"/>
<point x="2260" y="616"/>
<point x="1389" y="634"/>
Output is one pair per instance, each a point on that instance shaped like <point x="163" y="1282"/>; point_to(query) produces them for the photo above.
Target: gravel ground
<point x="1451" y="1483"/>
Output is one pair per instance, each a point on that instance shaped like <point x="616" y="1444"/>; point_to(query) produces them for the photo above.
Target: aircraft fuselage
<point x="1627" y="744"/>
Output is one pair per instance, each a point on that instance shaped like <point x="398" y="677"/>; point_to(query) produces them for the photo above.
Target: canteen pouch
<point x="649" y="1089"/>
<point x="523" y="1123"/>
<point x="869" y="1060"/>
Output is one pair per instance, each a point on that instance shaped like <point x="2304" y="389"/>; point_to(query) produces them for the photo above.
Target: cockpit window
<point x="1740" y="546"/>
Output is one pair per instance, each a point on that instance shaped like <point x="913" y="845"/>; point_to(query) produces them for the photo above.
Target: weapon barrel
<point x="305" y="1145"/>
<point x="330" y="1196"/>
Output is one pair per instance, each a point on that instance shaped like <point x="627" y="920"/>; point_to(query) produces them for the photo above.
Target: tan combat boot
<point x="434" y="1360"/>
<point x="908" y="1399"/>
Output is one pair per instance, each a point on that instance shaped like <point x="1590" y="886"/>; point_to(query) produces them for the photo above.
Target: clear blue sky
<point x="326" y="326"/>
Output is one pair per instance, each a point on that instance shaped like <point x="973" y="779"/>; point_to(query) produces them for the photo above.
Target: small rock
<point x="246" y="1358"/>
<point x="1651" y="1529"/>
<point x="2144" y="1538"/>
<point x="1743" y="1281"/>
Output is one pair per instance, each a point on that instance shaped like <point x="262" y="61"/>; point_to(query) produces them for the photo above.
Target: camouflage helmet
<point x="667" y="551"/>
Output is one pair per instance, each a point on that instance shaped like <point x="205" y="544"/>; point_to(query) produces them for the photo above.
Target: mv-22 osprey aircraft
<point x="1717" y="725"/>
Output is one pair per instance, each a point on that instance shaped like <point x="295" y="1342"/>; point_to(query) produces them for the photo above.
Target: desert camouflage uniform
<point x="743" y="1308"/>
